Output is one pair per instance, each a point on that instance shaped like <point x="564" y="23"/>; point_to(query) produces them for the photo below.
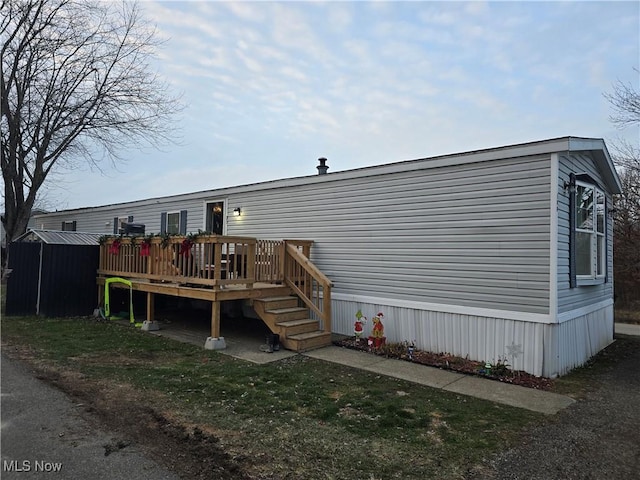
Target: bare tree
<point x="626" y="225"/>
<point x="76" y="85"/>
<point x="625" y="101"/>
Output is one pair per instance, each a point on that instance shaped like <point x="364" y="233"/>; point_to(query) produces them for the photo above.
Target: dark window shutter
<point x="183" y="222"/>
<point x="116" y="224"/>
<point x="62" y="227"/>
<point x="572" y="234"/>
<point x="163" y="223"/>
<point x="74" y="225"/>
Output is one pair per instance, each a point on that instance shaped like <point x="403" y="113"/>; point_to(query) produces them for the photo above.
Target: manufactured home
<point x="498" y="253"/>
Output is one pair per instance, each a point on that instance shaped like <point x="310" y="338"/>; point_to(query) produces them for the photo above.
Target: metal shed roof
<point x="56" y="237"/>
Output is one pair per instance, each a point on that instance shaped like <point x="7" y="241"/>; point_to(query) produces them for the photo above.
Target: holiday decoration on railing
<point x="185" y="247"/>
<point x="145" y="247"/>
<point x="114" y="249"/>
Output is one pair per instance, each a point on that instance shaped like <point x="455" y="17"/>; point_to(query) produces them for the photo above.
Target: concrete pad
<point x="514" y="395"/>
<point x="215" y="343"/>
<point x="150" y="326"/>
<point x="414" y="372"/>
<point x="627" y="329"/>
<point x="248" y="349"/>
<point x="345" y="356"/>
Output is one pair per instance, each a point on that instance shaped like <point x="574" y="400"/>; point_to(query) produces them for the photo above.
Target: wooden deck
<point x="219" y="268"/>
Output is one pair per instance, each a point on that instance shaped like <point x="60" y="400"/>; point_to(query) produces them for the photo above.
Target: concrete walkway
<point x="627" y="329"/>
<point x="247" y="347"/>
<point x="514" y="395"/>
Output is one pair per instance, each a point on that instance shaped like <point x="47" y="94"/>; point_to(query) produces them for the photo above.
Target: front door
<point x="215" y="217"/>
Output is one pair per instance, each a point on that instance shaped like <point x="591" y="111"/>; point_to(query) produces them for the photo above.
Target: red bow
<point x="115" y="247"/>
<point x="185" y="247"/>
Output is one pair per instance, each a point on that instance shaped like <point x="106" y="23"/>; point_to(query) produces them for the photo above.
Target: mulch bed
<point x="447" y="361"/>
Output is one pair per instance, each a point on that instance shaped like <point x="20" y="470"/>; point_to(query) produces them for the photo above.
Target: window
<point x="589" y="235"/>
<point x="69" y="226"/>
<point x="173" y="223"/>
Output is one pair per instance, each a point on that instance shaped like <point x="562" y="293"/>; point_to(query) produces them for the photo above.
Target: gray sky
<point x="271" y="86"/>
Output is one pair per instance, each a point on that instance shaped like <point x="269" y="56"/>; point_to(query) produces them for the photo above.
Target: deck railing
<point x="206" y="260"/>
<point x="307" y="281"/>
<point x="217" y="261"/>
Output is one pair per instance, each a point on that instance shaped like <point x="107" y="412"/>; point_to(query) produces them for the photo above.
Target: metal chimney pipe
<point x="322" y="168"/>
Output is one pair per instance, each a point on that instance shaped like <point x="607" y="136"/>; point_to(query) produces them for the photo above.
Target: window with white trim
<point x="590" y="232"/>
<point x="173" y="223"/>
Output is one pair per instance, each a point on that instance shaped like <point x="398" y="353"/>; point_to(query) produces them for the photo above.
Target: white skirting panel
<point x="573" y="342"/>
<point x="479" y="338"/>
<point x="541" y="349"/>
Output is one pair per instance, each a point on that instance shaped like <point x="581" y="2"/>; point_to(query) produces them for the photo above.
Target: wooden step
<point x="271" y="303"/>
<point x="295" y="327"/>
<point x="307" y="341"/>
<point x="285" y="314"/>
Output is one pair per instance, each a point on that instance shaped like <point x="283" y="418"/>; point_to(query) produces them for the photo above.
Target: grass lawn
<point x="296" y="418"/>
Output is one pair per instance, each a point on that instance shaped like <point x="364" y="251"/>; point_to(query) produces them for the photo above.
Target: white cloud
<point x="368" y="82"/>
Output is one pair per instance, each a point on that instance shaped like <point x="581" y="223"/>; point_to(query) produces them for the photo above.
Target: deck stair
<point x="297" y="331"/>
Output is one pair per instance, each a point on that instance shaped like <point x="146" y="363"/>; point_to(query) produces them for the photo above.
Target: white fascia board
<point x="439" y="307"/>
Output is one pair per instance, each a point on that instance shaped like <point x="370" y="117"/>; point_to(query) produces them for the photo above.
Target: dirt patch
<point x="140" y="419"/>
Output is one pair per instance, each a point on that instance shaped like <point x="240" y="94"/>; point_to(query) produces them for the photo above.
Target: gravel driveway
<point x="596" y="438"/>
<point x="44" y="435"/>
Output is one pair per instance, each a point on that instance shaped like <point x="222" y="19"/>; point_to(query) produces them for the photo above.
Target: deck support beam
<point x="150" y="324"/>
<point x="150" y="307"/>
<point x="215" y="341"/>
<point x="215" y="319"/>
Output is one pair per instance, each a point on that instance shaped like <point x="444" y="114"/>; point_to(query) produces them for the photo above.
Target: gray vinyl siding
<point x="472" y="235"/>
<point x="100" y="219"/>
<point x="581" y="296"/>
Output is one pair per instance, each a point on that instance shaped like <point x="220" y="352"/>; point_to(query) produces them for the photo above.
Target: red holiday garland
<point x="115" y="247"/>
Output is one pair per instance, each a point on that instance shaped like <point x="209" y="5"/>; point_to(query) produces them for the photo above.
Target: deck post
<point x="215" y="319"/>
<point x="150" y="324"/>
<point x="150" y="307"/>
<point x="215" y="341"/>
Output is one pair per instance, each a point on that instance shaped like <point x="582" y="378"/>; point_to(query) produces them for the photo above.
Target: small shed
<point x="53" y="273"/>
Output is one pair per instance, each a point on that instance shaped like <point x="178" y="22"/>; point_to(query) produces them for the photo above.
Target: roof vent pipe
<point x="322" y="168"/>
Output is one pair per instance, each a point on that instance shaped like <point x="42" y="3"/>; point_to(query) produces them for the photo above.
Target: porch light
<point x="571" y="184"/>
<point x="237" y="212"/>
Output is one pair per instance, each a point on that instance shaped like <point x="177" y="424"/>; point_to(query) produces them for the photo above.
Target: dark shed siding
<point x="22" y="283"/>
<point x="68" y="282"/>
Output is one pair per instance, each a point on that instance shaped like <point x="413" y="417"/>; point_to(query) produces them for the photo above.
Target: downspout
<point x="39" y="279"/>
